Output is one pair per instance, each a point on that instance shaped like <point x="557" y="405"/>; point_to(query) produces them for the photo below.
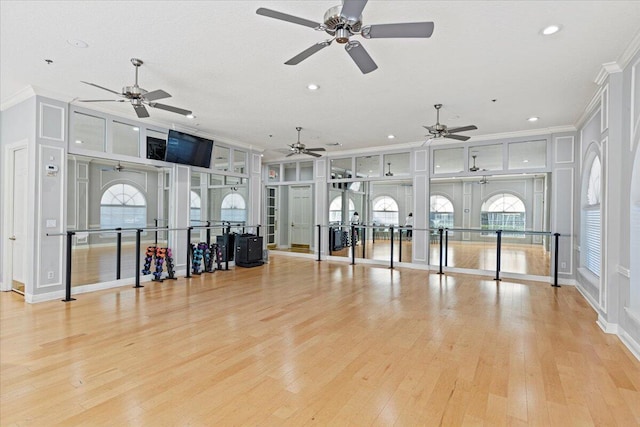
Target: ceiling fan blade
<point x="458" y="137"/>
<point x="141" y="111"/>
<point x="311" y="153"/>
<point x="100" y="100"/>
<point x="308" y="52"/>
<point x="390" y="31"/>
<point x="170" y="108"/>
<point x="360" y="57"/>
<point x="316" y="149"/>
<point x="352" y="9"/>
<point x="100" y="87"/>
<point x="462" y="129"/>
<point x="156" y="94"/>
<point x="430" y="128"/>
<point x="291" y="154"/>
<point x="285" y="17"/>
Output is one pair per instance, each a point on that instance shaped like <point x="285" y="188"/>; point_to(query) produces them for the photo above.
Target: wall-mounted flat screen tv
<point x="156" y="148"/>
<point x="188" y="149"/>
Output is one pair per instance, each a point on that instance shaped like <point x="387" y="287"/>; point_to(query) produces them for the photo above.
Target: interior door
<point x="17" y="221"/>
<point x="300" y="215"/>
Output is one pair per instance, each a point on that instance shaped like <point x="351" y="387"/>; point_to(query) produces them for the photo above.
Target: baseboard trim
<point x="629" y="342"/>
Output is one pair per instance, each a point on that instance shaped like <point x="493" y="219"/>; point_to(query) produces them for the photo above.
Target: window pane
<point x="488" y="157"/>
<point x="306" y="171"/>
<point x="367" y="166"/>
<point x="274" y="173"/>
<point x="397" y="164"/>
<point x="220" y="158"/>
<point x="125" y="139"/>
<point x="592" y="240"/>
<point x="385" y="211"/>
<point x="89" y="132"/>
<point x="239" y="161"/>
<point x="450" y="160"/>
<point x="527" y="155"/>
<point x="290" y="172"/>
<point x="593" y="187"/>
<point x="341" y="168"/>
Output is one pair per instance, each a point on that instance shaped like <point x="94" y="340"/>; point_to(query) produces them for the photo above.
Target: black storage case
<point x="248" y="250"/>
<point x="228" y="241"/>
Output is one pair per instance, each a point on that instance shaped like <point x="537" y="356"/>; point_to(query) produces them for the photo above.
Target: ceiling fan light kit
<point x="344" y="21"/>
<point x="139" y="97"/>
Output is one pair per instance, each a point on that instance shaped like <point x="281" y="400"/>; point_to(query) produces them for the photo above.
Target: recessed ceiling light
<point x="190" y="116"/>
<point x="136" y="128"/>
<point x="313" y="86"/>
<point x="78" y="141"/>
<point x="437" y="166"/>
<point x="391" y="136"/>
<point x="533" y="119"/>
<point x="77" y="43"/>
<point x="525" y="161"/>
<point x="551" y="29"/>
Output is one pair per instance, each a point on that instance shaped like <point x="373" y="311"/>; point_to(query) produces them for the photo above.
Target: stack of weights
<point x="160" y="254"/>
<point x="171" y="272"/>
<point x="197" y="258"/>
<point x="208" y="258"/>
<point x="216" y="251"/>
<point x="149" y="254"/>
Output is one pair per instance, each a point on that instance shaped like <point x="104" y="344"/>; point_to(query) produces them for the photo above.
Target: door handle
<point x="12" y="238"/>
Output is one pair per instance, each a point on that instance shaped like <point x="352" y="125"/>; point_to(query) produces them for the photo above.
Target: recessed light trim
<point x="79" y="141"/>
<point x="550" y="29"/>
<point x="391" y="136"/>
<point x="81" y="44"/>
<point x="525" y="161"/>
<point x="533" y="119"/>
<point x="136" y="129"/>
<point x="190" y="116"/>
<point x="313" y="86"/>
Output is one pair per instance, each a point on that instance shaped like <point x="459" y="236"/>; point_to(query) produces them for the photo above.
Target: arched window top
<point x="385" y="204"/>
<point x="195" y="200"/>
<point x="336" y="204"/>
<point x="441" y="204"/>
<point x="503" y="202"/>
<point x="122" y="195"/>
<point x="233" y="201"/>
<point x="593" y="185"/>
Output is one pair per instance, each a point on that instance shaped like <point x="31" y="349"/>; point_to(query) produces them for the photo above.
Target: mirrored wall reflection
<point x="104" y="194"/>
<point x="380" y="207"/>
<point x="515" y="204"/>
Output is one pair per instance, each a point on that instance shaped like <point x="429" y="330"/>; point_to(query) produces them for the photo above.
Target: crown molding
<point x="630" y="51"/>
<point x="607" y="69"/>
<point x="521" y="134"/>
<point x="17" y="98"/>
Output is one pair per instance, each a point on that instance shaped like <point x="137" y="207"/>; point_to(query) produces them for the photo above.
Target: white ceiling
<point x="226" y="63"/>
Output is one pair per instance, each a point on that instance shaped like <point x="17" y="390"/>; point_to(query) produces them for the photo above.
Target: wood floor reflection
<point x="299" y="342"/>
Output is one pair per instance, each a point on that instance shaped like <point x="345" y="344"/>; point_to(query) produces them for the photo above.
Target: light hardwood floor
<point x="299" y="342"/>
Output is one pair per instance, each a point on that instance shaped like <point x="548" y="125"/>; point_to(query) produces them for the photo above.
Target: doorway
<point x="16" y="161"/>
<point x="300" y="216"/>
<point x="272" y="217"/>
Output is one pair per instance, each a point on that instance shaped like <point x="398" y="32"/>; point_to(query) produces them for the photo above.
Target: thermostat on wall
<point x="52" y="170"/>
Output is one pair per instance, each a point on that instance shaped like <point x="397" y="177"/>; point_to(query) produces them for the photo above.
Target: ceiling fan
<point x="442" y="131"/>
<point x="475" y="168"/>
<point x="300" y="148"/>
<point x="118" y="168"/>
<point x="139" y="97"/>
<point x="344" y="21"/>
<point x="389" y="173"/>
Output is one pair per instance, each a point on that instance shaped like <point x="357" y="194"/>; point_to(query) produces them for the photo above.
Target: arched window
<point x="335" y="209"/>
<point x="441" y="212"/>
<point x="503" y="211"/>
<point x="123" y="205"/>
<point x="195" y="206"/>
<point x="234" y="208"/>
<point x="591" y="223"/>
<point x="385" y="211"/>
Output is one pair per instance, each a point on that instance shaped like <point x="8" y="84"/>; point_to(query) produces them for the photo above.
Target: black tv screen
<point x="156" y="148"/>
<point x="188" y="149"/>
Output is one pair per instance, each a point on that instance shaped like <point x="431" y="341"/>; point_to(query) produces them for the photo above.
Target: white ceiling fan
<point x="344" y="21"/>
